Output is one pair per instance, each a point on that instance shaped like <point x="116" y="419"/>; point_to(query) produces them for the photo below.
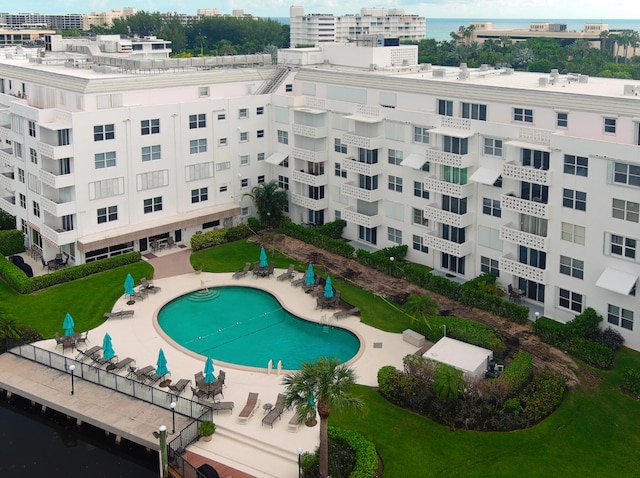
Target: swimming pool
<point x="247" y="326"/>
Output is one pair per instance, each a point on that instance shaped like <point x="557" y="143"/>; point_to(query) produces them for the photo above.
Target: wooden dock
<point x="115" y="413"/>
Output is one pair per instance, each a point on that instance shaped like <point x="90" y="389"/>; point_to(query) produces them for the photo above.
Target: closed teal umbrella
<point x="328" y="288"/>
<point x="129" y="284"/>
<point x="208" y="371"/>
<point x="161" y="364"/>
<point x="263" y="258"/>
<point x="107" y="347"/>
<point x="68" y="325"/>
<point x="310" y="277"/>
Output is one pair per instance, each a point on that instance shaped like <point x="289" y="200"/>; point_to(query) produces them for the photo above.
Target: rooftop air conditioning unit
<point x="543" y="82"/>
<point x="439" y="73"/>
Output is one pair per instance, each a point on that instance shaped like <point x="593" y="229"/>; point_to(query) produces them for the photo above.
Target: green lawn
<point x="594" y="433"/>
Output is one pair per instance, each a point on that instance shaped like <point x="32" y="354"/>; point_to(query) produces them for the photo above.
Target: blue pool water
<point x="247" y="326"/>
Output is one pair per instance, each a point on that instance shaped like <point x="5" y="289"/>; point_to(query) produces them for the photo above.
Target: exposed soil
<point x="518" y="337"/>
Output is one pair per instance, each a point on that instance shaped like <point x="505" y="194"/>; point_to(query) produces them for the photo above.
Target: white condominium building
<point x="316" y="28"/>
<point x="534" y="177"/>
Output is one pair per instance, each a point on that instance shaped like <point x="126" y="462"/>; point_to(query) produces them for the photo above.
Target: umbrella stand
<point x="131" y="301"/>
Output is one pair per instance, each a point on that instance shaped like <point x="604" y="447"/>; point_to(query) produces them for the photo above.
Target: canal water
<point x="36" y="445"/>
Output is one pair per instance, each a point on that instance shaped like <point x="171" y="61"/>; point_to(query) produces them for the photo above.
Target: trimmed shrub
<point x="592" y="352"/>
<point x="7" y="221"/>
<point x="11" y="242"/>
<point x="631" y="381"/>
<point x="255" y="224"/>
<point x="543" y="395"/>
<point x="517" y="373"/>
<point x="332" y="229"/>
<point x="219" y="236"/>
<point x="512" y="406"/>
<point x="310" y="236"/>
<point x="385" y="379"/>
<point x="551" y="331"/>
<point x="585" y="325"/>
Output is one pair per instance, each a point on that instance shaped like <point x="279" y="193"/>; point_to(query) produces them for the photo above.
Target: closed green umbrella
<point x="263" y="258"/>
<point x="68" y="325"/>
<point x="129" y="285"/>
<point x="310" y="277"/>
<point x="107" y="347"/>
<point x="328" y="288"/>
<point x="161" y="364"/>
<point x="208" y="371"/>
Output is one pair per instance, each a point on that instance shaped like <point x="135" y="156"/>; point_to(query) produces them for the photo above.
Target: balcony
<point x="449" y="159"/>
<point x="6" y="181"/>
<point x="6" y="157"/>
<point x="309" y="131"/>
<point x="307" y="155"/>
<point x="350" y="215"/>
<point x="524" y="206"/>
<point x="509" y="265"/>
<point x="8" y="205"/>
<point x="526" y="173"/>
<point x="354" y="191"/>
<point x="434" y="213"/>
<point x="5" y="133"/>
<point x="510" y="234"/>
<point x="310" y="179"/>
<point x="56" y="181"/>
<point x="360" y="141"/>
<point x="450" y="189"/>
<point x="357" y="167"/>
<point x="58" y="237"/>
<point x="310" y="203"/>
<point x="58" y="209"/>
<point x="446" y="246"/>
<point x="54" y="152"/>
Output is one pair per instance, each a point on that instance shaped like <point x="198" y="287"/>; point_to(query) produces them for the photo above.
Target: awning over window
<point x="617" y="281"/>
<point x="414" y="160"/>
<point x="277" y="158"/>
<point x="523" y="145"/>
<point x="456" y="133"/>
<point x="485" y="176"/>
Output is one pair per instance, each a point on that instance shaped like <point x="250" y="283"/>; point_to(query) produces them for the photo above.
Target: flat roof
<point x="460" y="355"/>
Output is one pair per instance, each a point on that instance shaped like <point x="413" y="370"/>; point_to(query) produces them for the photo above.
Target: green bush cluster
<point x="254" y="224"/>
<point x="465" y="330"/>
<point x="386" y="375"/>
<point x="310" y="236"/>
<point x="381" y="260"/>
<point x="631" y="381"/>
<point x="332" y="229"/>
<point x="24" y="285"/>
<point x="543" y="395"/>
<point x="7" y="221"/>
<point x="366" y="465"/>
<point x="517" y="373"/>
<point x="592" y="352"/>
<point x="11" y="242"/>
<point x="219" y="236"/>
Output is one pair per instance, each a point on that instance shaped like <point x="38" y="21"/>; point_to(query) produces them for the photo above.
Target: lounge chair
<point x="179" y="386"/>
<point x="59" y="339"/>
<point x="141" y="373"/>
<point x="249" y="409"/>
<point x="216" y="405"/>
<point x="276" y="412"/>
<point x="119" y="314"/>
<point x="298" y="282"/>
<point x="294" y="423"/>
<point x="198" y="393"/>
<point x="81" y="337"/>
<point x="309" y="287"/>
<point x="149" y="287"/>
<point x="100" y="361"/>
<point x="255" y="269"/>
<point x="222" y="376"/>
<point x="288" y="274"/>
<point x="346" y="313"/>
<point x="85" y="354"/>
<point x="152" y="377"/>
<point x="241" y="273"/>
<point x="116" y="367"/>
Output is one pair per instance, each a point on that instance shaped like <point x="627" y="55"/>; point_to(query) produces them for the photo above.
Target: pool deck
<point x="257" y="450"/>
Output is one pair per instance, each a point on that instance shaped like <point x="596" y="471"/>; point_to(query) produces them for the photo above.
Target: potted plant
<point x="207" y="429"/>
<point x="197" y="266"/>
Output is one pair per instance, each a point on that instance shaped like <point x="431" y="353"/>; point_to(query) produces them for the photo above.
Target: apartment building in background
<point x="534" y="177"/>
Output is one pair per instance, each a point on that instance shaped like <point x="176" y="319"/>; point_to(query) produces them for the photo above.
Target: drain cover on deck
<point x="377" y="345"/>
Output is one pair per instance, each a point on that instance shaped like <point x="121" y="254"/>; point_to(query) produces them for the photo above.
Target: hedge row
<point x="219" y="236"/>
<point x="11" y="242"/>
<point x="592" y="352"/>
<point x="465" y="330"/>
<point x="25" y="285"/>
<point x="310" y="236"/>
<point x="366" y="465"/>
<point x="631" y="381"/>
<point x="518" y="373"/>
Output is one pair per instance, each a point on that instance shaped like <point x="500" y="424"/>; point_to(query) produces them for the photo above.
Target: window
<point x="626" y="174"/>
<point x="339" y="147"/>
<point x="32" y="129"/>
<point x="260" y="133"/>
<point x="370" y="183"/>
<point x="455" y="145"/>
<point x="572" y="267"/>
<point x="17" y="149"/>
<point x="491" y="207"/>
<point x="244" y="183"/>
<point x="105" y="160"/>
<point x="394" y="235"/>
<point x="418" y="217"/>
<point x="535" y="159"/>
<point x="152" y="204"/>
<point x="222" y="116"/>
<point x="532" y="257"/>
<point x="576" y="165"/>
<point x="151" y="126"/>
<point x="395" y="157"/>
<point x="283" y="182"/>
<point x="454" y="205"/>
<point x="341" y="173"/>
<point x="395" y="183"/>
<point x="445" y="107"/>
<point x="260" y="110"/>
<point x="452" y="263"/>
<point x="288" y="88"/>
<point x="23" y="201"/>
<point x="420" y="134"/>
<point x="493" y="147"/>
<point x="107" y="214"/>
<point x="534" y="192"/>
<point x="283" y="137"/>
<point x="21" y="175"/>
<point x="474" y="111"/>
<point x="203" y="91"/>
<point x="104" y="132"/>
<point x="574" y="199"/>
<point x="610" y="125"/>
<point x="621" y="317"/>
<point x="453" y="234"/>
<point x="368" y="234"/>
<point x="532" y="290"/>
<point x="36" y="209"/>
<point x="64" y="137"/>
<point x="222" y="142"/>
<point x="454" y="175"/>
<point x="244" y="136"/>
<point x="261" y="179"/>
<point x="570" y="300"/>
<point x="523" y="115"/>
<point x="418" y="244"/>
<point x="562" y="120"/>
<point x="199" y="195"/>
<point x="243" y="113"/>
<point x="33" y="154"/>
<point x="151" y="153"/>
<point x="419" y="190"/>
<point x="197" y="121"/>
<point x="198" y="146"/>
<point x="625" y="210"/>
<point x="622" y="246"/>
<point x="260" y="156"/>
<point x="369" y="156"/>
<point x="223" y="189"/>
<point x="244" y="160"/>
<point x="573" y="233"/>
<point x="223" y="166"/>
<point x="490" y="266"/>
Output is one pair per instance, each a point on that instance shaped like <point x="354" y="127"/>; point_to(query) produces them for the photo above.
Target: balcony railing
<point x="309" y="131"/>
<point x="307" y="155"/>
<point x="357" y="167"/>
<point x="310" y="179"/>
<point x="6" y="157"/>
<point x="510" y="234"/>
<point x="527" y="174"/>
<point x="450" y="189"/>
<point x="449" y="159"/>
<point x="58" y="209"/>
<point x="360" y="141"/>
<point x="349" y="215"/>
<point x="434" y="213"/>
<point x="54" y="152"/>
<point x="310" y="203"/>
<point x="56" y="181"/>
<point x="513" y="267"/>
<point x="446" y="246"/>
<point x="8" y="205"/>
<point x="354" y="191"/>
<point x="524" y="206"/>
<point x="6" y="181"/>
<point x="58" y="237"/>
<point x="5" y="133"/>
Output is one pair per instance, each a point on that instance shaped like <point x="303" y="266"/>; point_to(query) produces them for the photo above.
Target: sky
<point x="476" y="9"/>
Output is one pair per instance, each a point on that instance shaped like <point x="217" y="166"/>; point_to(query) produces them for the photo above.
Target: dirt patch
<point x="518" y="337"/>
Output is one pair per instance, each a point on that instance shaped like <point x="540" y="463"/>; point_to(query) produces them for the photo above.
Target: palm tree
<point x="448" y="383"/>
<point x="420" y="306"/>
<point x="8" y="328"/>
<point x="269" y="199"/>
<point x="326" y="382"/>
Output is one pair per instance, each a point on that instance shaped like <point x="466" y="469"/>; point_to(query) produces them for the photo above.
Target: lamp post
<point x="391" y="266"/>
<point x="269" y="219"/>
<point x="173" y="416"/>
<point x="537" y="314"/>
<point x="164" y="459"/>
<point x="71" y="369"/>
<point x="299" y="450"/>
